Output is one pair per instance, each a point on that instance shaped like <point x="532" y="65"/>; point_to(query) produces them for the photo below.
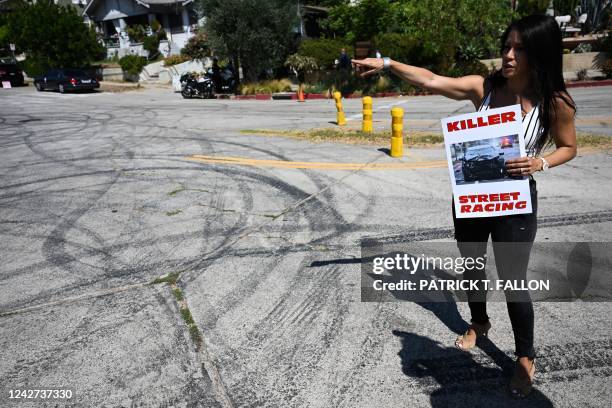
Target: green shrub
<point x="315" y="88"/>
<point x="156" y="26"/>
<point x="383" y="84"/>
<point x="409" y="49"/>
<point x="463" y="68"/>
<point x="400" y="47"/>
<point x="197" y="47"/>
<point x="151" y="44"/>
<point x="581" y="48"/>
<point x="603" y="60"/>
<point x="137" y="33"/>
<point x="132" y="64"/>
<point x="266" y="87"/>
<point x="325" y="51"/>
<point x="175" y="59"/>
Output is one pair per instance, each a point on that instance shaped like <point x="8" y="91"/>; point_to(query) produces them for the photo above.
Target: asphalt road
<point x="102" y="193"/>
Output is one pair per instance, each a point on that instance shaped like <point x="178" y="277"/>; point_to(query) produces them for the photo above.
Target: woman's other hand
<point x="524" y="166"/>
<point x="368" y="66"/>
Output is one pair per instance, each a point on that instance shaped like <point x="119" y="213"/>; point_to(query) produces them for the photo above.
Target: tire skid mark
<point x="368" y="354"/>
<point x="426" y="234"/>
<point x="304" y="352"/>
<point x="282" y="187"/>
<point x="181" y="263"/>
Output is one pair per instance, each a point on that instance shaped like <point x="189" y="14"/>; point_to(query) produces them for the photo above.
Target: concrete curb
<point x="589" y="84"/>
<point x="293" y="96"/>
<point x="309" y="96"/>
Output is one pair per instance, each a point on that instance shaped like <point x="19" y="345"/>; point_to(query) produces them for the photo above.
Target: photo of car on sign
<point x="483" y="160"/>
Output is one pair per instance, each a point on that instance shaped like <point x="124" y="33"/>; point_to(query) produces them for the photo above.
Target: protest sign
<point x="477" y="148"/>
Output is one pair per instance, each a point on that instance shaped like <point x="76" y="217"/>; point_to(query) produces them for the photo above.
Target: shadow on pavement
<point x="454" y="378"/>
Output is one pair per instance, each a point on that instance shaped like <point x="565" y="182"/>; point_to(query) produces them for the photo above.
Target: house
<point x="112" y="18"/>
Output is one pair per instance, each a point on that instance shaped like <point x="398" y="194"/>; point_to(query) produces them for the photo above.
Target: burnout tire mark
<point x="427" y="234"/>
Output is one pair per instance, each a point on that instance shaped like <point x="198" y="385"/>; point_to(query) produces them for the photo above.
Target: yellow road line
<point x="241" y="161"/>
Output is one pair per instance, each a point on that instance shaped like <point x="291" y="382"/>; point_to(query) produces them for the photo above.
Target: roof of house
<point x="145" y="3"/>
<point x="156" y="2"/>
<point x="113" y="15"/>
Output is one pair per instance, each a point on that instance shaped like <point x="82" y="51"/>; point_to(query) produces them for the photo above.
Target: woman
<point x="531" y="75"/>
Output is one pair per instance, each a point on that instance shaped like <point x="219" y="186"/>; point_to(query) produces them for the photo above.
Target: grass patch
<point x="178" y="294"/>
<point x="173" y="213"/>
<point x="186" y="315"/>
<point x="175" y="192"/>
<point x="194" y="332"/>
<point x="181" y="189"/>
<point x="411" y="138"/>
<point x="168" y="278"/>
<point x="351" y="136"/>
<point x="591" y="140"/>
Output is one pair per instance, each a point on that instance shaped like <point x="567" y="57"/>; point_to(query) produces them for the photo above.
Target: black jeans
<point x="472" y="235"/>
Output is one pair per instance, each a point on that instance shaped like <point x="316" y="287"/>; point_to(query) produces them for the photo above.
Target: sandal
<point x="463" y="343"/>
<point x="521" y="383"/>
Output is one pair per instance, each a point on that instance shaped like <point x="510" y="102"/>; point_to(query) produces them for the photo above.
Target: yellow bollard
<point x="340" y="119"/>
<point x="397" y="137"/>
<point x="367" y="114"/>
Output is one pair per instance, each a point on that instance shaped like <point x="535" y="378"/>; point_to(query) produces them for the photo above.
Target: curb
<point x="589" y="84"/>
<point x="292" y="96"/>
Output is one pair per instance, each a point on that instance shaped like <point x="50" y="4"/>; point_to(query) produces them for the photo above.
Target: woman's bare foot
<point x="468" y="340"/>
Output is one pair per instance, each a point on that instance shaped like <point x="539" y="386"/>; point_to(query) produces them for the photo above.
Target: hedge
<point x="325" y="51"/>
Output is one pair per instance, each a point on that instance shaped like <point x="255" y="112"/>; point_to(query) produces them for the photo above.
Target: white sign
<point x="6" y="84"/>
<point x="477" y="147"/>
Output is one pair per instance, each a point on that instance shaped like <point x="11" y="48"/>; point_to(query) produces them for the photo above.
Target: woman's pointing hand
<point x="369" y="66"/>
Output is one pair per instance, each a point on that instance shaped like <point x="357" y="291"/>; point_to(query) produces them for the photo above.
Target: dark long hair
<point x="542" y="44"/>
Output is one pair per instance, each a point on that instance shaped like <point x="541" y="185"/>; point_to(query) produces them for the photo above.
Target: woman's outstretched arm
<point x="469" y="87"/>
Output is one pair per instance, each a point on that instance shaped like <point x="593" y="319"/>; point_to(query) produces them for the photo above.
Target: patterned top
<point x="531" y="125"/>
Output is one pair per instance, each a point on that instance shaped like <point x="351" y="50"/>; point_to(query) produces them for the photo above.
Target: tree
<point x="598" y="13"/>
<point x="527" y="7"/>
<point x="565" y="7"/>
<point x="363" y="20"/>
<point x="326" y="3"/>
<point x="301" y="66"/>
<point x="435" y="33"/>
<point x="257" y="34"/>
<point x="53" y="36"/>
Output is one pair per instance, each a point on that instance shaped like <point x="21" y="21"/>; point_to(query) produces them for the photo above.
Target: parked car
<point x="483" y="162"/>
<point x="64" y="80"/>
<point x="9" y="71"/>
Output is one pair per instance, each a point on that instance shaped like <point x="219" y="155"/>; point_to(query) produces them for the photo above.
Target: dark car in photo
<point x="483" y="162"/>
<point x="9" y="71"/>
<point x="65" y="80"/>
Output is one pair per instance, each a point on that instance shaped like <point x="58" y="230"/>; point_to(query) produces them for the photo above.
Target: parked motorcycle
<point x="194" y="88"/>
